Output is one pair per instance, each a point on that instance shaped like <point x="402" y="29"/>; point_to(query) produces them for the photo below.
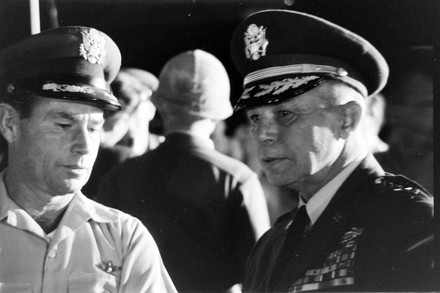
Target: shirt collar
<point x="319" y="201"/>
<point x="85" y="208"/>
<point x="80" y="206"/>
<point x="4" y="199"/>
<point x="12" y="214"/>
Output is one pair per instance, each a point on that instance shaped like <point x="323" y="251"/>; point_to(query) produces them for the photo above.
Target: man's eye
<point x="285" y="117"/>
<point x="254" y="118"/>
<point x="64" y="125"/>
<point x="95" y="129"/>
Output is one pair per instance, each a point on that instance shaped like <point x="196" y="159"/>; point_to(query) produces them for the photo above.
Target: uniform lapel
<point x="331" y="225"/>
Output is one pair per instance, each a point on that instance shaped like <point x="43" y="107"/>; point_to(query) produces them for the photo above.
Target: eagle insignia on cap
<point x="93" y="47"/>
<point x="256" y="42"/>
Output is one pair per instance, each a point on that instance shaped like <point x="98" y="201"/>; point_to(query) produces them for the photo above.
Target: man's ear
<point x="8" y="122"/>
<point x="351" y="114"/>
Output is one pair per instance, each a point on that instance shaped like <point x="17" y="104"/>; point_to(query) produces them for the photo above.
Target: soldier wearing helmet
<point x="205" y="210"/>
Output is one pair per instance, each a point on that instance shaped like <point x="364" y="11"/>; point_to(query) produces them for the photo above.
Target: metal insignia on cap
<point x="256" y="42"/>
<point x="341" y="72"/>
<point x="10" y="88"/>
<point x="93" y="47"/>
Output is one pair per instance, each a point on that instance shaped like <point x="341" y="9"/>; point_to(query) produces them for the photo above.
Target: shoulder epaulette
<point x="401" y="184"/>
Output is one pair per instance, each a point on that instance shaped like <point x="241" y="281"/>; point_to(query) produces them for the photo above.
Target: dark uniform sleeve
<point x="406" y="235"/>
<point x="108" y="191"/>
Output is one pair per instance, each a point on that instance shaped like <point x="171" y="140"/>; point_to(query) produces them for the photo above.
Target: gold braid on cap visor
<point x="296" y="79"/>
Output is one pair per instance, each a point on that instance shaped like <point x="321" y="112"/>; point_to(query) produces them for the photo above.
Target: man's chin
<point x="72" y="186"/>
<point x="279" y="180"/>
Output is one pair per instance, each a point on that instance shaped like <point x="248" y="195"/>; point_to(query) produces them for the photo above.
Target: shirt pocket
<point x="15" y="288"/>
<point x="93" y="283"/>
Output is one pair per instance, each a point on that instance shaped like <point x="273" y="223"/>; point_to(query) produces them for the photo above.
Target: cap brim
<point x="278" y="90"/>
<point x="67" y="89"/>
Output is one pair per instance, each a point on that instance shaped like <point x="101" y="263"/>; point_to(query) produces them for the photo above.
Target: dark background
<point x="149" y="32"/>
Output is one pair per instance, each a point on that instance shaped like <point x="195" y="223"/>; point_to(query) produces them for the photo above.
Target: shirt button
<point x="53" y="253"/>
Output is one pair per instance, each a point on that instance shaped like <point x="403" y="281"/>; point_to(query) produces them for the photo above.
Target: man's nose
<point x="267" y="131"/>
<point x="82" y="142"/>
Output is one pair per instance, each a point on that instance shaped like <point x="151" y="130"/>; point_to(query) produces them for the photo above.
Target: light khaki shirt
<point x="94" y="249"/>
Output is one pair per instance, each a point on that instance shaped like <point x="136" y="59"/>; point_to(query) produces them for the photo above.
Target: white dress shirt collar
<point x="319" y="201"/>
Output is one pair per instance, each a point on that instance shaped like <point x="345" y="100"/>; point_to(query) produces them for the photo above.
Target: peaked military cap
<point x="284" y="53"/>
<point x="71" y="62"/>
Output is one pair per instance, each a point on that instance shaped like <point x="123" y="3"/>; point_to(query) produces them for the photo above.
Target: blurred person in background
<point x="410" y="117"/>
<point x="129" y="128"/>
<point x="205" y="210"/>
<point x="126" y="133"/>
<point x="374" y="122"/>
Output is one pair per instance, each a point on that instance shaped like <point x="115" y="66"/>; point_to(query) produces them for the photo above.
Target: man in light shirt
<point x="356" y="228"/>
<point x="54" y="91"/>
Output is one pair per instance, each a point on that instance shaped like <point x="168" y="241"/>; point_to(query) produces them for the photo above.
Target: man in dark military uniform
<point x="357" y="228"/>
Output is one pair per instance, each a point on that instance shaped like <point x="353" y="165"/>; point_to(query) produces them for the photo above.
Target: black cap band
<point x="65" y="86"/>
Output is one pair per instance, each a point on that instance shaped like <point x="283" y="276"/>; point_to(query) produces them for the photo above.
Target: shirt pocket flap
<point x="93" y="282"/>
<point x="15" y="288"/>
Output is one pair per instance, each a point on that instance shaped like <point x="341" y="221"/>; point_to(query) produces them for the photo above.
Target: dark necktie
<point x="296" y="232"/>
